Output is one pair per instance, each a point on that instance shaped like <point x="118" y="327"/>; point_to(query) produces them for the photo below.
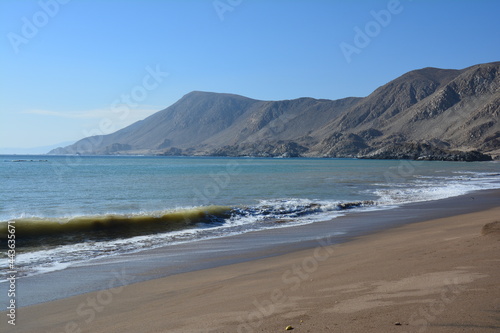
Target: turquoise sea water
<point x="71" y="208"/>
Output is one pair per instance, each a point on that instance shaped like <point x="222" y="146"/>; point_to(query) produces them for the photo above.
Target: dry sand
<point x="435" y="276"/>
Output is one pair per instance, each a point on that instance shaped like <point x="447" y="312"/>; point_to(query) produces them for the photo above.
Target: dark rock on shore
<point x="277" y="149"/>
<point x="423" y="151"/>
<point x="173" y="151"/>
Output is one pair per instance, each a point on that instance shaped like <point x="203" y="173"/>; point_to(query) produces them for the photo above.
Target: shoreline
<point x="211" y="253"/>
<point x="438" y="274"/>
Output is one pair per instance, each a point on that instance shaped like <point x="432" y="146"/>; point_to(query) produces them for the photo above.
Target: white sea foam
<point x="267" y="214"/>
<point x="428" y="188"/>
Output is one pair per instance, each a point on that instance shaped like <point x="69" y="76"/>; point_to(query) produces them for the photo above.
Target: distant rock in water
<point x="426" y="114"/>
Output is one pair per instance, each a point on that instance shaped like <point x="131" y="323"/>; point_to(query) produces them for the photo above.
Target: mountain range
<point x="430" y="113"/>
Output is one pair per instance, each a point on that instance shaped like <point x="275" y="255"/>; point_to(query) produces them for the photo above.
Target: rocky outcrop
<point x="277" y="149"/>
<point x="343" y="145"/>
<point x="172" y="151"/>
<point x="116" y="148"/>
<point x="422" y="151"/>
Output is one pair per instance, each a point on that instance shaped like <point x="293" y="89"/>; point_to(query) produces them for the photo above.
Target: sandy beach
<point x="232" y="166"/>
<point x="441" y="275"/>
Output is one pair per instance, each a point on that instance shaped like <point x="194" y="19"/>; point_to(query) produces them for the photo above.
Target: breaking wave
<point x="64" y="230"/>
<point x="46" y="244"/>
<point x="114" y="225"/>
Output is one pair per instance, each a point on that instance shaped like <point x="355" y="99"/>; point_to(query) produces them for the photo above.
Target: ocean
<point x="71" y="209"/>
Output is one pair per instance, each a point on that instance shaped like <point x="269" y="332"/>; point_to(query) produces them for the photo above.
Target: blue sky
<point x="81" y="67"/>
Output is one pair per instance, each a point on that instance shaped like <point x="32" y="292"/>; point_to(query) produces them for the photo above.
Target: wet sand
<point x="440" y="275"/>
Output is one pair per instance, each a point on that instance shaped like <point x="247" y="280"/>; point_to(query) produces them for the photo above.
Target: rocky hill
<point x="429" y="113"/>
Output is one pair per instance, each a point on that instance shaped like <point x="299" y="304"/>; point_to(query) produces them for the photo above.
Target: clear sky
<point x="74" y="68"/>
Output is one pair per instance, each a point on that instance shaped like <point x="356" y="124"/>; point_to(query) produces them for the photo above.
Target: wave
<point x="429" y="188"/>
<point x="55" y="243"/>
<point x="114" y="225"/>
<point x="293" y="208"/>
<point x="68" y="230"/>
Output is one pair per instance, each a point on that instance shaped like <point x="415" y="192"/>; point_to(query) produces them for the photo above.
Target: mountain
<point x="429" y="113"/>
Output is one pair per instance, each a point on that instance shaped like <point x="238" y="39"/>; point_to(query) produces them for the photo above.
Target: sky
<point x="74" y="68"/>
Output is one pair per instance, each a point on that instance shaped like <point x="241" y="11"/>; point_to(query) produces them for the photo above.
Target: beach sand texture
<point x="441" y="275"/>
